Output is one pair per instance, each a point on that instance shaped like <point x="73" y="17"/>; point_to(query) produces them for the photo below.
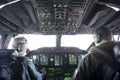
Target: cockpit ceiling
<point x="59" y="16"/>
<point x="17" y="17"/>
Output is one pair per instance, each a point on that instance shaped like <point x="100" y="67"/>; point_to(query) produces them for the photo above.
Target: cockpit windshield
<point x="39" y="41"/>
<point x="80" y="41"/>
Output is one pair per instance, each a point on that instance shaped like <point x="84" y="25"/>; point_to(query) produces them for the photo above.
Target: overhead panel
<point x="59" y="16"/>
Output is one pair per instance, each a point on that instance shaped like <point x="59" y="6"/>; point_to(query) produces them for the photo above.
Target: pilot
<point x="92" y="67"/>
<point x="20" y="44"/>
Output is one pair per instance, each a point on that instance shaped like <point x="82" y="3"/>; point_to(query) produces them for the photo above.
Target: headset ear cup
<point x="97" y="38"/>
<point x="20" y="47"/>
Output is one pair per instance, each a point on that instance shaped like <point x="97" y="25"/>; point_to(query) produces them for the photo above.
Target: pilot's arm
<point x="34" y="73"/>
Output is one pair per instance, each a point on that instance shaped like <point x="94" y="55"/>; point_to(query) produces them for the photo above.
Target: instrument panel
<point x="55" y="60"/>
<point x="58" y="64"/>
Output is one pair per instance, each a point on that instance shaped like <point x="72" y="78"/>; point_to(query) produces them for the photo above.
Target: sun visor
<point x="18" y="16"/>
<point x="98" y="16"/>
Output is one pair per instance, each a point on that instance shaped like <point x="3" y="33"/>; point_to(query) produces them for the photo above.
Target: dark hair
<point x="104" y="33"/>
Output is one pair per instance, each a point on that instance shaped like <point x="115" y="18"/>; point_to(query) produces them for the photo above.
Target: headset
<point x="20" y="44"/>
<point x="21" y="47"/>
<point x="97" y="37"/>
<point x="101" y="33"/>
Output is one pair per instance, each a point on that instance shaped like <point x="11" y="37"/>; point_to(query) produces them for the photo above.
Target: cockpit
<point x="59" y="32"/>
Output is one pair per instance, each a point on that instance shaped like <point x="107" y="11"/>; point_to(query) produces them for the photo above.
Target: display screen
<point x="58" y="60"/>
<point x="34" y="59"/>
<point x="72" y="59"/>
<point x="43" y="59"/>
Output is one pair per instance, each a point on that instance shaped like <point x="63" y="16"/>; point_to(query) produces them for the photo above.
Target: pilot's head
<point x="102" y="35"/>
<point x="20" y="44"/>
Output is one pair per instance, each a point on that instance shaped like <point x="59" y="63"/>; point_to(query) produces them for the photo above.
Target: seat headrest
<point x="6" y="52"/>
<point x="117" y="51"/>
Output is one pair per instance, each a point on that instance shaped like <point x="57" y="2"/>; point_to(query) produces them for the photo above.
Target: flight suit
<point x="95" y="68"/>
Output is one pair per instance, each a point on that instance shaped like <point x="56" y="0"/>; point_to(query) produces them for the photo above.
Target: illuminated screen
<point x="67" y="74"/>
<point x="51" y="72"/>
<point x="43" y="59"/>
<point x="72" y="59"/>
<point x="34" y="58"/>
<point x="57" y="60"/>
